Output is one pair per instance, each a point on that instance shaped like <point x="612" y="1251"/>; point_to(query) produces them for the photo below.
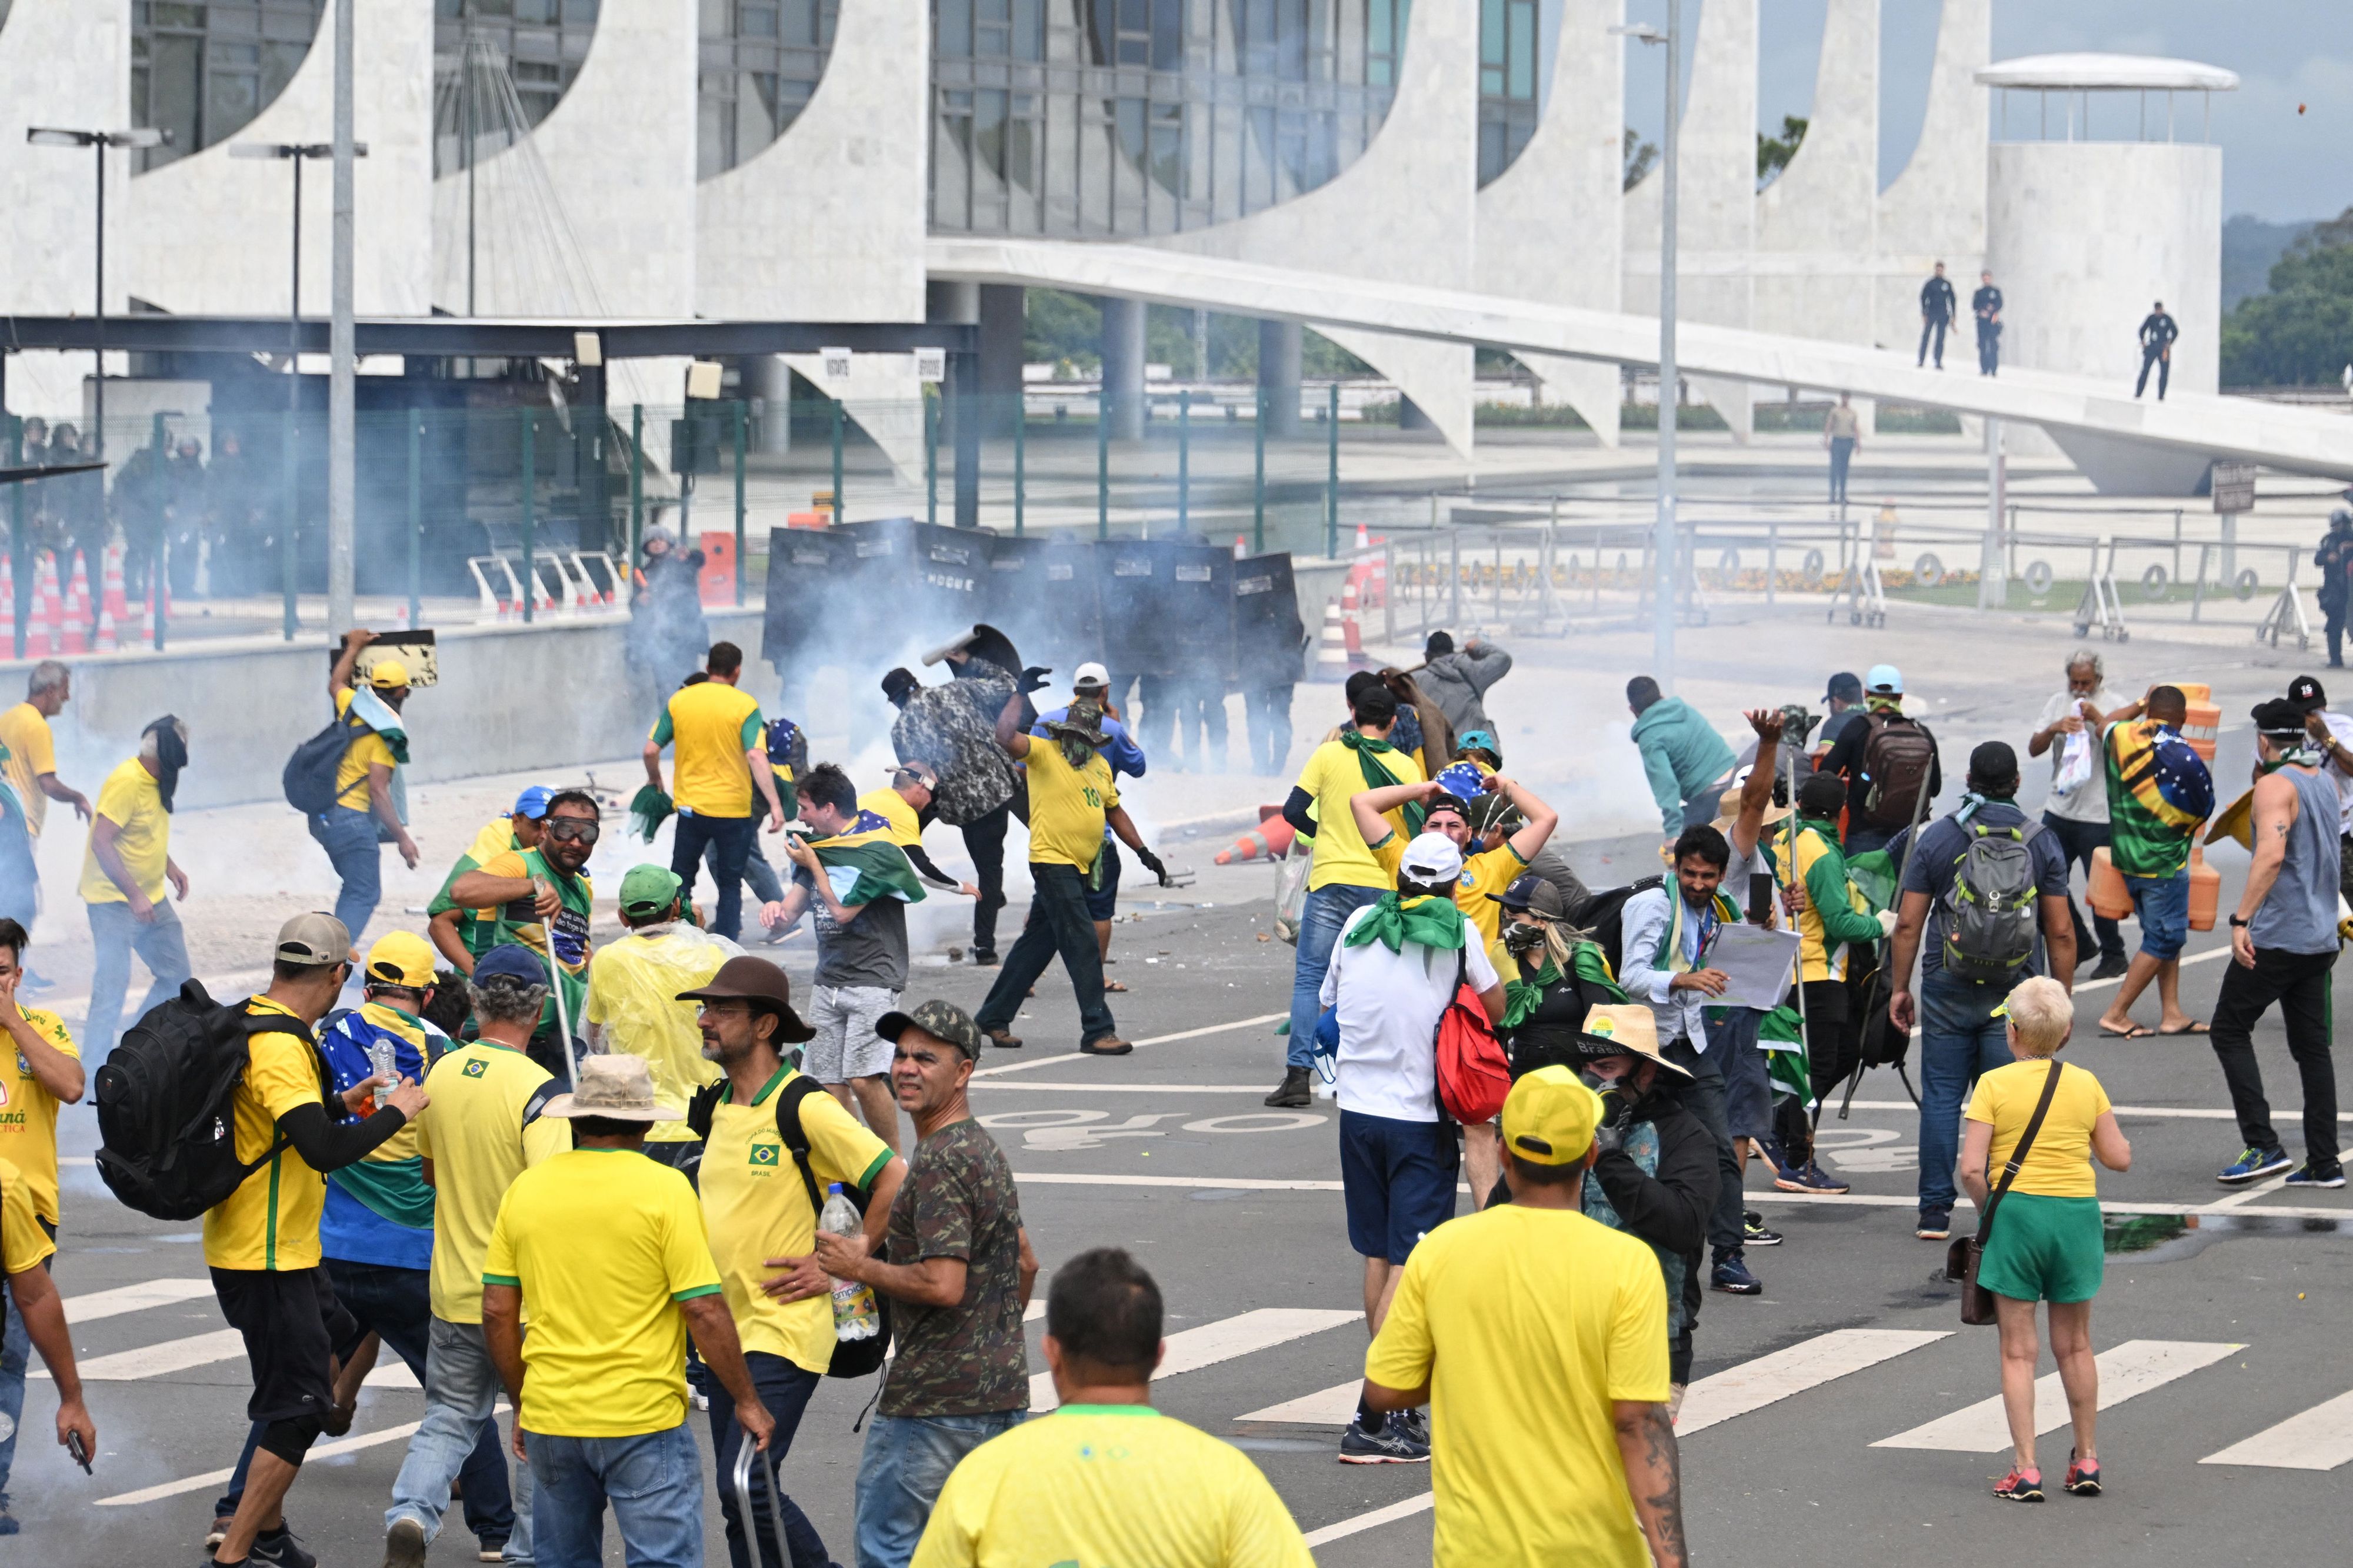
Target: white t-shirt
<point x="1390" y="1004"/>
<point x="2340" y="727"/>
<point x="2087" y="801"/>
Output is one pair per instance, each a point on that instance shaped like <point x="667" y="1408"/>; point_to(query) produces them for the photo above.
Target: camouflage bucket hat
<point x="941" y="1020"/>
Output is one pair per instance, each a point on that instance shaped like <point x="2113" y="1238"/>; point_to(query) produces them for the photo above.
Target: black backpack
<point x="1604" y="916"/>
<point x="164" y="1109"/>
<point x="852" y="1358"/>
<point x="308" y="780"/>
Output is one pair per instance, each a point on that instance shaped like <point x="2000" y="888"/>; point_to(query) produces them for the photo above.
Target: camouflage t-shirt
<point x="952" y="728"/>
<point x="958" y="1201"/>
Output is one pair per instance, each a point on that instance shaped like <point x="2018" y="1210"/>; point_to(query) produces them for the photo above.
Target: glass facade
<point x="540" y="44"/>
<point x="1508" y="79"/>
<point x="760" y="61"/>
<point x="1099" y="118"/>
<point x="202" y="68"/>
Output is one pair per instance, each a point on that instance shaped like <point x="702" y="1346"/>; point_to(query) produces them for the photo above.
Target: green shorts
<point x="2044" y="1250"/>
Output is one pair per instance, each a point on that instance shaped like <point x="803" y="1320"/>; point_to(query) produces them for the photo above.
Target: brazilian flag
<point x="1782" y="1037"/>
<point x="864" y="856"/>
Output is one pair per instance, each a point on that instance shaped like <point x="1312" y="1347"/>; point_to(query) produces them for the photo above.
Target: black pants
<point x="1267" y="710"/>
<point x="1842" y="454"/>
<point x="785" y="1389"/>
<point x="729" y="839"/>
<point x="1833" y="1050"/>
<point x="1058" y="923"/>
<point x="2299" y="983"/>
<point x="2163" y="360"/>
<point x="983" y="840"/>
<point x="1933" y="326"/>
<point x="1989" y="350"/>
<point x="2078" y="839"/>
<point x="1704" y="1098"/>
<point x="2334" y="613"/>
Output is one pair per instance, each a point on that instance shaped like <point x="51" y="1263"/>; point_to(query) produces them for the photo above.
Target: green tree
<point x="1774" y="152"/>
<point x="1640" y="156"/>
<point x="2301" y="332"/>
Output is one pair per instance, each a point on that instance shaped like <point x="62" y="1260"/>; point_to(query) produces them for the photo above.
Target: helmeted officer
<point x="2334" y="560"/>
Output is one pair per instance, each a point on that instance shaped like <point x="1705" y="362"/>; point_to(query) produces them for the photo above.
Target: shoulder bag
<point x="1961" y="1258"/>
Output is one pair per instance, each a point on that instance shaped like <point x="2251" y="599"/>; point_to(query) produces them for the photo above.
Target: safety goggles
<point x="571" y="829"/>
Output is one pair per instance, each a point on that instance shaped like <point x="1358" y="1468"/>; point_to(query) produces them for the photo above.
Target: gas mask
<point x="1523" y="937"/>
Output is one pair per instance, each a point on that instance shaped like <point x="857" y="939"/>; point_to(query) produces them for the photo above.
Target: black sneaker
<point x="1754" y="1234"/>
<point x="1936" y="1224"/>
<point x="984" y="958"/>
<point x="1392" y="1445"/>
<point x="2111" y="967"/>
<point x="2311" y="1174"/>
<point x="279" y="1549"/>
<point x="1295" y="1090"/>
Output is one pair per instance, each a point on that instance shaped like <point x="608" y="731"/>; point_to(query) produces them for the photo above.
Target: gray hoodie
<point x="1458" y="683"/>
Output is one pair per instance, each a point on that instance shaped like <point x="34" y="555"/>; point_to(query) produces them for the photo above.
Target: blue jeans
<point x="1320" y="919"/>
<point x="1959" y="1039"/>
<point x="160" y="945"/>
<point x="460" y="1384"/>
<point x="906" y="1462"/>
<point x="15" y="1353"/>
<point x="729" y="840"/>
<point x="2161" y="905"/>
<point x="766" y="887"/>
<point x="349" y="837"/>
<point x="785" y="1389"/>
<point x="653" y="1480"/>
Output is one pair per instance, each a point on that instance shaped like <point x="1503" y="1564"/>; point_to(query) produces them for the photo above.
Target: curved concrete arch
<point x="1551" y="226"/>
<point x="210" y="233"/>
<point x="58" y="66"/>
<point x="1936" y="209"/>
<point x="1404" y="212"/>
<point x="1817" y="224"/>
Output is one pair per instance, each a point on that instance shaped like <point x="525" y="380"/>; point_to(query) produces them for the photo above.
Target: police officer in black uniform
<point x="1937" y="304"/>
<point x="2157" y="331"/>
<point x="2334" y="560"/>
<point x="1985" y="306"/>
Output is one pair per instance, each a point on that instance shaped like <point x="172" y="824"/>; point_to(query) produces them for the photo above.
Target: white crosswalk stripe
<point x="163" y="1358"/>
<point x="2126" y="1371"/>
<point x="94" y="1305"/>
<point x="1770" y="1379"/>
<point x="1243" y="1335"/>
<point x="2320" y="1438"/>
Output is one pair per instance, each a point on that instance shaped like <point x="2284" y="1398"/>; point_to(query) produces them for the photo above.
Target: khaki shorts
<point x="845" y="1046"/>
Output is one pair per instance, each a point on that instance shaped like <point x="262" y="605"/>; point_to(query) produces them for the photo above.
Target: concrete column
<point x="1002" y="318"/>
<point x="1122" y="367"/>
<point x="768" y="378"/>
<point x="960" y="303"/>
<point x="1279" y="348"/>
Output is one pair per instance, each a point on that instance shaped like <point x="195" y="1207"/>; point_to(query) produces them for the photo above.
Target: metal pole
<point x="289" y="455"/>
<point x="838" y="508"/>
<point x="343" y="342"/>
<point x="636" y="483"/>
<point x="931" y="456"/>
<point x="964" y="376"/>
<point x="1331" y="477"/>
<point x="1103" y="456"/>
<point x="417" y="516"/>
<point x="740" y="413"/>
<point x="98" y="383"/>
<point x="1258" y="474"/>
<point x="1662" y="601"/>
<point x="1020" y="462"/>
<point x="466" y="98"/>
<point x="530" y="517"/>
<point x="1184" y="459"/>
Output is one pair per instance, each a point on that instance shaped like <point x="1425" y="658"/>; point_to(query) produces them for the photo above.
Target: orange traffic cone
<point x="44" y="639"/>
<point x="1351" y="632"/>
<point x="1332" y="647"/>
<point x="75" y="624"/>
<point x="117" y="609"/>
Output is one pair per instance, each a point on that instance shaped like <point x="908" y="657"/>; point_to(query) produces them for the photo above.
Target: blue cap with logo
<point x="515" y="961"/>
<point x="532" y="803"/>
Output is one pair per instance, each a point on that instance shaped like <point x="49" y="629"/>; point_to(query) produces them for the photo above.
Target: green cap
<point x="944" y="1021"/>
<point x="648" y="890"/>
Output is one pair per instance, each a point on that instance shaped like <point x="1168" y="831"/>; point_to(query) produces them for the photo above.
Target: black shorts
<point x="291" y="1323"/>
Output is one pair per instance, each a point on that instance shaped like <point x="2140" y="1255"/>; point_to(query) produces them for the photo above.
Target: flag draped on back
<point x="2158" y="792"/>
<point x="875" y="866"/>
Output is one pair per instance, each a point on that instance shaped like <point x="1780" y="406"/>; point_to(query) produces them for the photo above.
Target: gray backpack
<point x="1990" y="914"/>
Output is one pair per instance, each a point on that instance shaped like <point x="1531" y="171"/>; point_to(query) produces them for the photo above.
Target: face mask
<point x="1522" y="938"/>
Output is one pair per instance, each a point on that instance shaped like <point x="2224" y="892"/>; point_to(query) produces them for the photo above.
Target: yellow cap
<point x="401" y="958"/>
<point x="388" y="673"/>
<point x="1549" y="1118"/>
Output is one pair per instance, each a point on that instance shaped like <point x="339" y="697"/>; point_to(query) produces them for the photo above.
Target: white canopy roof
<point x="2095" y="72"/>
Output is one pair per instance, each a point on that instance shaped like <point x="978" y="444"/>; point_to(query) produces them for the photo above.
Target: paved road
<point x="2229" y="1325"/>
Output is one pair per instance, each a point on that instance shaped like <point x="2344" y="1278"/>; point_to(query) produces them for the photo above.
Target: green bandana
<point x="1379" y="777"/>
<point x="1432" y="922"/>
<point x="2302" y="757"/>
<point x="1521" y="997"/>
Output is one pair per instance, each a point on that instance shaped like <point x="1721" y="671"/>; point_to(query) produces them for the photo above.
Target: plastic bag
<point x="1290" y="892"/>
<point x="2074" y="764"/>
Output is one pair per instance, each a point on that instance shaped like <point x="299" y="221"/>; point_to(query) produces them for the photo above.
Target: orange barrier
<point x="2104" y="889"/>
<point x="1270" y="841"/>
<point x="2205" y="891"/>
<point x="2203" y="726"/>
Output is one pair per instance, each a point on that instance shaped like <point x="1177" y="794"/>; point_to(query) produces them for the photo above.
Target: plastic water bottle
<point x="855" y="1315"/>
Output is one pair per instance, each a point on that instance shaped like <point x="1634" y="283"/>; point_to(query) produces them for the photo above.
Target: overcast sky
<point x="2277" y="164"/>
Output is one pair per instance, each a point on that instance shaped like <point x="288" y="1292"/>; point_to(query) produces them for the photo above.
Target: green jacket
<point x="1681" y="754"/>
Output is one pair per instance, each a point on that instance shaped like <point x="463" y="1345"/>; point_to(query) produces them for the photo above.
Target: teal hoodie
<point x="1681" y="754"/>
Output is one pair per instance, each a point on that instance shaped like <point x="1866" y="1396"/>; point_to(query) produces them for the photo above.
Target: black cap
<point x="1993" y="761"/>
<point x="2279" y="716"/>
<point x="1822" y="795"/>
<point x="1846" y="685"/>
<point x="1442" y="801"/>
<point x="1531" y="893"/>
<point x="2306" y="694"/>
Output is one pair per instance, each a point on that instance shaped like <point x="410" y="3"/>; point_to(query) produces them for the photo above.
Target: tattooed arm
<point x="1646" y="1440"/>
<point x="2275" y="811"/>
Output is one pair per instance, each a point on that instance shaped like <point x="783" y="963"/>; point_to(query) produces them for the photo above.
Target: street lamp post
<point x="295" y="153"/>
<point x="1664" y="551"/>
<point x="98" y="142"/>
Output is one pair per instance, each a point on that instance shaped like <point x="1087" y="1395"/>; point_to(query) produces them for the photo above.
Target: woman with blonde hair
<point x="2040" y="1232"/>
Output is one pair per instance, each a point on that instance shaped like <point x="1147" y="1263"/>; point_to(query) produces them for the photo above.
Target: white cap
<point x="1432" y="861"/>
<point x="1091" y="674"/>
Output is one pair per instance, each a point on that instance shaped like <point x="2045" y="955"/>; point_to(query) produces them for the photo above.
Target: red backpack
<point x="1474" y="1074"/>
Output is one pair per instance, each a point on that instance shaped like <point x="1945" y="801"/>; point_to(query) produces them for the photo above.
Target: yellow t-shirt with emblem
<point x="1067" y="805"/>
<point x="1489" y="871"/>
<point x="758" y="1207"/>
<point x="366" y="750"/>
<point x="132" y="801"/>
<point x="32" y="751"/>
<point x="2059" y="1165"/>
<point x="604" y="1244"/>
<point x="1108" y="1484"/>
<point x="271" y="1221"/>
<point x="28" y="1112"/>
<point x="712" y="724"/>
<point x="1333" y="775"/>
<point x="22" y="1243"/>
<point x="906" y="826"/>
<point x="473" y="1132"/>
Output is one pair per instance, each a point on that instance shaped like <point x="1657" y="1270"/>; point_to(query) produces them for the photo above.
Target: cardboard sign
<point x="413" y="649"/>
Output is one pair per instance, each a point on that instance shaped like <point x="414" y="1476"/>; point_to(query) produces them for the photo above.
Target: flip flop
<point x="1113" y="985"/>
<point x="2195" y="1026"/>
<point x="2138" y="1032"/>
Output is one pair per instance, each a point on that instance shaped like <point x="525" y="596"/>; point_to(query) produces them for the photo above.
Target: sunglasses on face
<point x="573" y="829"/>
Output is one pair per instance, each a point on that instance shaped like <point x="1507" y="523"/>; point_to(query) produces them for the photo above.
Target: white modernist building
<point x="788" y="160"/>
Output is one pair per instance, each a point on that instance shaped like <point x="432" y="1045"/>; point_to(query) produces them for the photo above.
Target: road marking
<point x="1380" y="1516"/>
<point x="1770" y="1379"/>
<point x="1155" y="1040"/>
<point x="97" y="1304"/>
<point x="211" y="1479"/>
<point x="1237" y="1183"/>
<point x="1243" y="1334"/>
<point x="2320" y="1438"/>
<point x="2247" y="1195"/>
<point x="163" y="1359"/>
<point x="2127" y="1370"/>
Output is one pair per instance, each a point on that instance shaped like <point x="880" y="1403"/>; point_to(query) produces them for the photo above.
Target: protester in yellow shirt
<point x="1106" y="1477"/>
<point x="1531" y="1308"/>
<point x="633" y="1006"/>
<point x="26" y="1248"/>
<point x="606" y="1250"/>
<point x="124" y="870"/>
<point x="371" y="792"/>
<point x="904" y="806"/>
<point x="262" y="1241"/>
<point x="1071" y="800"/>
<point x="40" y="1069"/>
<point x="28" y="765"/>
<point x="722" y="758"/>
